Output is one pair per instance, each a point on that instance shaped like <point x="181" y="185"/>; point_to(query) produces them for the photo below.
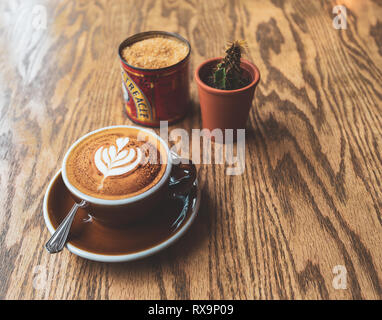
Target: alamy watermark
<point x="39" y="17"/>
<point x="340" y="20"/>
<point x="40" y="277"/>
<point x="203" y="146"/>
<point x="340" y="279"/>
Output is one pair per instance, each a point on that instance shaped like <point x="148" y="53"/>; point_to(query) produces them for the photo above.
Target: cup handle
<point x="183" y="175"/>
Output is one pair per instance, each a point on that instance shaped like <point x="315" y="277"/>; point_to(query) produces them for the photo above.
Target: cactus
<point x="228" y="75"/>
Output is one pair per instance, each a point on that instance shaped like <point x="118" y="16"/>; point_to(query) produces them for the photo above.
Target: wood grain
<point x="310" y="196"/>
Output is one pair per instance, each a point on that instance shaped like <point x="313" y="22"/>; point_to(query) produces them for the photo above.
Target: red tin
<point x="154" y="95"/>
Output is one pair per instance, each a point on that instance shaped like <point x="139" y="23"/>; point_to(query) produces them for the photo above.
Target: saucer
<point x="92" y="240"/>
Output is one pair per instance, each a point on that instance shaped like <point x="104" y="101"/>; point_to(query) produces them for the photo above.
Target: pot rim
<point x="212" y="90"/>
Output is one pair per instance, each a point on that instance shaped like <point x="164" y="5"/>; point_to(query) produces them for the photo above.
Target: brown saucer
<point x="90" y="239"/>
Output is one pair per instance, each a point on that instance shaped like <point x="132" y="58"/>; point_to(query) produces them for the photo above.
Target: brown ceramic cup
<point x="225" y="109"/>
<point x="178" y="178"/>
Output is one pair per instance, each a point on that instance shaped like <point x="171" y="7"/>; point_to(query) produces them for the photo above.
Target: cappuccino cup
<point x="123" y="172"/>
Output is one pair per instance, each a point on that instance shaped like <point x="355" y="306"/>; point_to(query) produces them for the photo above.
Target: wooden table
<point x="308" y="201"/>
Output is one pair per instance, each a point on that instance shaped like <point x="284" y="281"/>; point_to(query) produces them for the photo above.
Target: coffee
<point x="116" y="163"/>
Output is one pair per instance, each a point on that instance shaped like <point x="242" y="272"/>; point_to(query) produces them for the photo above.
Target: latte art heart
<point x="116" y="161"/>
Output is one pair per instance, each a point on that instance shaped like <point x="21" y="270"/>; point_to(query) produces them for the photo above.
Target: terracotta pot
<point x="225" y="109"/>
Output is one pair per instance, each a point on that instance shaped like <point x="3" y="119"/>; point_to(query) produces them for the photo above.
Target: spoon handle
<point x="58" y="240"/>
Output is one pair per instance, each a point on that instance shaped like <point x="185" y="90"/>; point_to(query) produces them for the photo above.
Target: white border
<point x="126" y="257"/>
<point x="106" y="202"/>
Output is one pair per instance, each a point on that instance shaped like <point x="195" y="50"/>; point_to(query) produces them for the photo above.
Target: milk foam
<point x="116" y="161"/>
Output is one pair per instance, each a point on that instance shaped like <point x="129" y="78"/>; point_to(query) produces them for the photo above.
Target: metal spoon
<point x="58" y="240"/>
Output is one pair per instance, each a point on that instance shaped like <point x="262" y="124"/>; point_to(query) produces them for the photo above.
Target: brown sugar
<point x="155" y="53"/>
